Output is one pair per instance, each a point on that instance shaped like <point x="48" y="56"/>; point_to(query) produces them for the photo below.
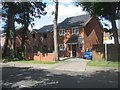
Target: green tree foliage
<point x="22" y="13"/>
<point x="26" y="14"/>
<point x="9" y="13"/>
<point x="107" y="10"/>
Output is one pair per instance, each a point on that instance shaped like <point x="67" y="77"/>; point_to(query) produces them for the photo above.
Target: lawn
<point x="103" y="63"/>
<point x="33" y="61"/>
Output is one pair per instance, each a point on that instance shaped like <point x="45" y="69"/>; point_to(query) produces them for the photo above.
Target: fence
<point x="113" y="52"/>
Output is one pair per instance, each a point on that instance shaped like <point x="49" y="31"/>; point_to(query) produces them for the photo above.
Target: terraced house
<point x="74" y="35"/>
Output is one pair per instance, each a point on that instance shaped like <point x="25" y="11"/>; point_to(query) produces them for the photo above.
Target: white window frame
<point x="61" y="32"/>
<point x="75" y="30"/>
<point x="61" y="47"/>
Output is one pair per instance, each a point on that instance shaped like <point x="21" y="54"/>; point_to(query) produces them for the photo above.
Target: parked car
<point x="87" y="54"/>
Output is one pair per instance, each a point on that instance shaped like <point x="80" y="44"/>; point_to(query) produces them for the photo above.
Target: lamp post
<point x="105" y="51"/>
<point x="41" y="38"/>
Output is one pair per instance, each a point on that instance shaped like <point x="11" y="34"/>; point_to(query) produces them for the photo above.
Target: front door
<point x="74" y="50"/>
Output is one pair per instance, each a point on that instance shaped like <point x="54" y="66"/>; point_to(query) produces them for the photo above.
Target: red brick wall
<point x="39" y="43"/>
<point x="93" y="33"/>
<point x="44" y="57"/>
<point x="64" y="39"/>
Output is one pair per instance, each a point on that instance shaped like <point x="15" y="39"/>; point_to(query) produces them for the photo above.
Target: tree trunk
<point x="55" y="31"/>
<point x="114" y="27"/>
<point x="14" y="44"/>
<point x="10" y="27"/>
<point x="24" y="32"/>
<point x="5" y="48"/>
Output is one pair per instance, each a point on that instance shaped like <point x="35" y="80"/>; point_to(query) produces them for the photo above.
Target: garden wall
<point x="44" y="57"/>
<point x="113" y="52"/>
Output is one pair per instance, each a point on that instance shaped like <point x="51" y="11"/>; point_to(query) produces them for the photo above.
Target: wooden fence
<point x="113" y="52"/>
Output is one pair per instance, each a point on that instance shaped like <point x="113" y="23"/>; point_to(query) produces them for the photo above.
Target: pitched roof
<point x="80" y="20"/>
<point x="75" y="39"/>
<point x="75" y="21"/>
<point x="47" y="28"/>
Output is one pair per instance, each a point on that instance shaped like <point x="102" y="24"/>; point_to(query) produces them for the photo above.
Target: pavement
<point x="70" y="64"/>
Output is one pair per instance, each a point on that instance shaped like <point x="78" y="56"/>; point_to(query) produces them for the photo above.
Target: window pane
<point x="75" y="30"/>
<point x="61" y="47"/>
<point x="61" y="32"/>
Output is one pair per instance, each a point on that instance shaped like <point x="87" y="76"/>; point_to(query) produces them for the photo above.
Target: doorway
<point x="74" y="50"/>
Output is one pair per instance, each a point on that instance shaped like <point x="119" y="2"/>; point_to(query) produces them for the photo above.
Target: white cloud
<point x="69" y="10"/>
<point x="64" y="11"/>
<point x="66" y="1"/>
<point x="60" y="1"/>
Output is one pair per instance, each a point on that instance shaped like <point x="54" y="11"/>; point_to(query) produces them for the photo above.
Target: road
<point x="30" y="77"/>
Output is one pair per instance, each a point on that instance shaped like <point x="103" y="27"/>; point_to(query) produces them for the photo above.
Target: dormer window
<point x="61" y="32"/>
<point x="75" y="30"/>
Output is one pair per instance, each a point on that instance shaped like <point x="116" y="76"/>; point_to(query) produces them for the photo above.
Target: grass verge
<point x="37" y="62"/>
<point x="103" y="63"/>
<point x="32" y="61"/>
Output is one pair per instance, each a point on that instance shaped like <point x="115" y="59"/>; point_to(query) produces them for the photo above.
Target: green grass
<point x="103" y="63"/>
<point x="30" y="61"/>
<point x="37" y="62"/>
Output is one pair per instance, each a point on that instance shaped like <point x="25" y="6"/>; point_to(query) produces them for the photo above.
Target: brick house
<point x="74" y="35"/>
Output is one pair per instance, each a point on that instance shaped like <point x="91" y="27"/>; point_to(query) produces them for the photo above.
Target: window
<point x="61" y="32"/>
<point x="33" y="35"/>
<point x="61" y="47"/>
<point x="75" y="30"/>
<point x="45" y="35"/>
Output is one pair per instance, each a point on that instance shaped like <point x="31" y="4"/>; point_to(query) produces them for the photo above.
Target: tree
<point x="107" y="10"/>
<point x="9" y="13"/>
<point x="21" y="12"/>
<point x="27" y="12"/>
<point x="55" y="31"/>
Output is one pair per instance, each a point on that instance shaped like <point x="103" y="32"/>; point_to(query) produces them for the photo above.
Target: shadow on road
<point x="16" y="77"/>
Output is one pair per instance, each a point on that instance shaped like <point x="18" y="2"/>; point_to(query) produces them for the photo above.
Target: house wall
<point x="38" y="43"/>
<point x="64" y="39"/>
<point x="93" y="33"/>
<point x="49" y="42"/>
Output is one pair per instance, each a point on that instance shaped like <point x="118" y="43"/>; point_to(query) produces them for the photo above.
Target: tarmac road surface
<point x="22" y="75"/>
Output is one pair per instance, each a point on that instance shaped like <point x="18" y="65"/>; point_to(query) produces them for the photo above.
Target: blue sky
<point x="66" y="9"/>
